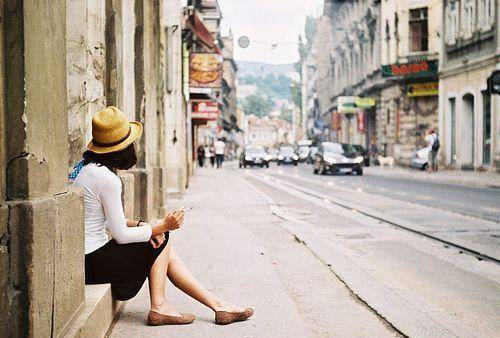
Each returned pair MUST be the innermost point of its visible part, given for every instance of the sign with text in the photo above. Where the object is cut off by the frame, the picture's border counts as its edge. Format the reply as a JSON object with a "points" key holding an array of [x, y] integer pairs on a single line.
{"points": [[205, 70], [422, 89], [414, 69], [205, 110]]}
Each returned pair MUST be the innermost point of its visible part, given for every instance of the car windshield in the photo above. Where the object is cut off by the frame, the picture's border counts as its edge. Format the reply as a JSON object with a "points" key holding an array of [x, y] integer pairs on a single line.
{"points": [[332, 147], [255, 151], [286, 150], [358, 148], [348, 149], [303, 149], [273, 151]]}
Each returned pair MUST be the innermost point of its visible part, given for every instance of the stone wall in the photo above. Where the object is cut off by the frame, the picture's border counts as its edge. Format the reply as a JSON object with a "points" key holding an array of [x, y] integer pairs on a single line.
{"points": [[60, 62], [42, 284]]}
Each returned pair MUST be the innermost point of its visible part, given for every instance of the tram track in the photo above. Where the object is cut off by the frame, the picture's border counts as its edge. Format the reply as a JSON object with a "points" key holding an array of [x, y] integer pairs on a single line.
{"points": [[398, 223]]}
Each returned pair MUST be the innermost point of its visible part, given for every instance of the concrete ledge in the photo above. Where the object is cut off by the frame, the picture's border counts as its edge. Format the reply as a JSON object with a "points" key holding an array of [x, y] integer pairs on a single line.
{"points": [[98, 314]]}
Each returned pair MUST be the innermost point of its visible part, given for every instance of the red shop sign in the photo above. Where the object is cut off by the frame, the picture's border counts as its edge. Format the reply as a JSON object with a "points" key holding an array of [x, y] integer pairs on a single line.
{"points": [[361, 122]]}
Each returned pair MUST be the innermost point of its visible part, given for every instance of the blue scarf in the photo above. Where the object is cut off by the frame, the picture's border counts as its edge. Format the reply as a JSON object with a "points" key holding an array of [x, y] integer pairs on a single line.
{"points": [[76, 170]]}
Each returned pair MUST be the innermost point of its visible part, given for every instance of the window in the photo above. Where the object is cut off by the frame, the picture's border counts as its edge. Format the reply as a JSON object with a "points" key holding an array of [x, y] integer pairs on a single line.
{"points": [[468, 18], [486, 14], [451, 23], [419, 40]]}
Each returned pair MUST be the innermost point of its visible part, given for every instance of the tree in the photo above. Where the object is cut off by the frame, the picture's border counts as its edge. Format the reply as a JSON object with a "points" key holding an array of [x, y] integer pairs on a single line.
{"points": [[257, 105]]}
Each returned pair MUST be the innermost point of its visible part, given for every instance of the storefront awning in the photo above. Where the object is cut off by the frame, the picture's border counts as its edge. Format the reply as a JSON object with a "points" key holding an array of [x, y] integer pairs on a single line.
{"points": [[196, 25]]}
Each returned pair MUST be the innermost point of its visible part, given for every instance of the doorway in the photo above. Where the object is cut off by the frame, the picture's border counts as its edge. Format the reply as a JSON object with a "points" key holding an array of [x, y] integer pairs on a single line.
{"points": [[467, 144]]}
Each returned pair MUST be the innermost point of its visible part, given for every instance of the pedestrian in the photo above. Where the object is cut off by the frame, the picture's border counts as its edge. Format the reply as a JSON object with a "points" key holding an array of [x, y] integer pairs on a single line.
{"points": [[373, 153], [209, 153], [137, 250], [201, 155], [433, 143], [220, 147]]}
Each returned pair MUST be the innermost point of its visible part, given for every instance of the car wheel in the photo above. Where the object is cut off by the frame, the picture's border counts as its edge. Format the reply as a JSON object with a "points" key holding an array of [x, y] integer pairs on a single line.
{"points": [[262, 165], [279, 163], [359, 172], [267, 165], [295, 163], [424, 167], [245, 165]]}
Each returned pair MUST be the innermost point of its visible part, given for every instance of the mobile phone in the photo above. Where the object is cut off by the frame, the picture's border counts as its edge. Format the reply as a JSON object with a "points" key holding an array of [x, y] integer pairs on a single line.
{"points": [[187, 209]]}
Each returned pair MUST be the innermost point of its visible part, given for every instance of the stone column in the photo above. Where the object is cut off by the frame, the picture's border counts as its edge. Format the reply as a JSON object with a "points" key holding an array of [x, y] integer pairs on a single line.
{"points": [[145, 108], [41, 223], [175, 139]]}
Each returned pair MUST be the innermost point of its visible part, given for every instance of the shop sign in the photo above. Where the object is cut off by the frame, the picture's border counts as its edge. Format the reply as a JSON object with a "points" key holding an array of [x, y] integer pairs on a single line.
{"points": [[205, 110], [414, 69], [422, 89], [205, 70], [346, 104], [364, 102], [361, 121]]}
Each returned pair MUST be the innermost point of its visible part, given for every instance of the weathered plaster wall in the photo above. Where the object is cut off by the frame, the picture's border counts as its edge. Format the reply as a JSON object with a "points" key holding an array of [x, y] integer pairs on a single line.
{"points": [[86, 70]]}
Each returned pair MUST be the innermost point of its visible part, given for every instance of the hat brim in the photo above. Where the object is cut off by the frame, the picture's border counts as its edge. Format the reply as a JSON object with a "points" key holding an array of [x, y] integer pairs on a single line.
{"points": [[135, 133]]}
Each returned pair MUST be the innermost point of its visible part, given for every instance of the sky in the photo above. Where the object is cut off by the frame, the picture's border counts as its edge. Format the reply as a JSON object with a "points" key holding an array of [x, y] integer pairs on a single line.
{"points": [[267, 22]]}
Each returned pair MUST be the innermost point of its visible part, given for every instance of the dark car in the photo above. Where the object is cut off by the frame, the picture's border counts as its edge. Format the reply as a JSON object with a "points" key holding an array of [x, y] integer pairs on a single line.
{"points": [[361, 151], [287, 155], [337, 158], [254, 156]]}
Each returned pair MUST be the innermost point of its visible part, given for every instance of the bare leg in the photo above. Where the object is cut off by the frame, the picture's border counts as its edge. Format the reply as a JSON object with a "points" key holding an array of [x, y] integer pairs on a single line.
{"points": [[182, 278], [157, 283]]}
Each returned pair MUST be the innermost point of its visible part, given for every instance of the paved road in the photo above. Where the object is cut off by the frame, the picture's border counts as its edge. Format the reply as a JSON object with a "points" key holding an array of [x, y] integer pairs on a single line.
{"points": [[478, 202], [420, 286]]}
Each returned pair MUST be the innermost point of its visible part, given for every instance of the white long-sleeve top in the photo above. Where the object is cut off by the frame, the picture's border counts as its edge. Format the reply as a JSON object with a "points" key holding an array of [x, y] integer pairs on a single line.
{"points": [[104, 210]]}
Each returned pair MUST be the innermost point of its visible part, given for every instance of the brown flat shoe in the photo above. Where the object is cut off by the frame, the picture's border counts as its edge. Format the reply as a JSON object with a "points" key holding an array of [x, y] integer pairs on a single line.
{"points": [[224, 317], [155, 319]]}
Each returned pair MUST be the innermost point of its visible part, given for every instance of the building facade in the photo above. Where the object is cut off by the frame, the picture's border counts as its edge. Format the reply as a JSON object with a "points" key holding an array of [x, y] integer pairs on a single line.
{"points": [[355, 69], [410, 46], [469, 117]]}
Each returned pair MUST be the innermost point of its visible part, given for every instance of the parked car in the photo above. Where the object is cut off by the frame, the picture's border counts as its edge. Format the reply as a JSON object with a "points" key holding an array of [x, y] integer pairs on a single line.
{"points": [[420, 159], [303, 152], [252, 156], [287, 155], [312, 153], [362, 152], [337, 158], [273, 154]]}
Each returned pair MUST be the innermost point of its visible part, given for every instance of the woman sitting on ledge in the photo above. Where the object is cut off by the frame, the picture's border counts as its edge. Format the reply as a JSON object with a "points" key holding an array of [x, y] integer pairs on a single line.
{"points": [[138, 250]]}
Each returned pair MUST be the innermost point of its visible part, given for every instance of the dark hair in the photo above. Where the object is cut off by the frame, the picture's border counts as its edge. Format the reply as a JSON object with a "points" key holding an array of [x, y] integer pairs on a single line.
{"points": [[119, 160]]}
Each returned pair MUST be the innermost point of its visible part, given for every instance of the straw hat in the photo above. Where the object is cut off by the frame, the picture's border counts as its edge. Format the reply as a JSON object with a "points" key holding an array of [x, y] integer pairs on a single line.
{"points": [[112, 131]]}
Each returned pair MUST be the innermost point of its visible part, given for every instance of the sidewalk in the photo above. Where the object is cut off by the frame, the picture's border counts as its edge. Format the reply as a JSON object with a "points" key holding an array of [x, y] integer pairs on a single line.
{"points": [[240, 251], [456, 177]]}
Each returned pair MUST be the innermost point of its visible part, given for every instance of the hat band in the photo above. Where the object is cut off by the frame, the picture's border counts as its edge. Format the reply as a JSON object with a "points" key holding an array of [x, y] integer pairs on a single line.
{"points": [[99, 144]]}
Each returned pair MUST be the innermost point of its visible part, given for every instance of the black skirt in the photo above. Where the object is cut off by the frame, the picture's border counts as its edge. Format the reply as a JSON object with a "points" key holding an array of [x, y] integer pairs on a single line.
{"points": [[125, 266]]}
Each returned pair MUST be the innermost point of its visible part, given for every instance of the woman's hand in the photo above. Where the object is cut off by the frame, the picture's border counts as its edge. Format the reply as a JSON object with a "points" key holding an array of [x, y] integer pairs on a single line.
{"points": [[157, 241], [174, 220]]}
